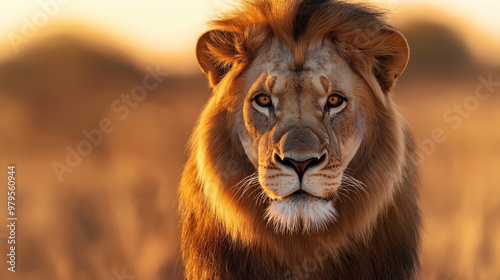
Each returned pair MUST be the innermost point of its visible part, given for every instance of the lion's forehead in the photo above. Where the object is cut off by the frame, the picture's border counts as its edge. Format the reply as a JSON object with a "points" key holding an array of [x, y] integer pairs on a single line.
{"points": [[321, 61]]}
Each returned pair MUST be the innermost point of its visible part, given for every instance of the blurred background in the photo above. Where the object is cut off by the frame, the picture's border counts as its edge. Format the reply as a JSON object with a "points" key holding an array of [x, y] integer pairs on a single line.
{"points": [[98, 98]]}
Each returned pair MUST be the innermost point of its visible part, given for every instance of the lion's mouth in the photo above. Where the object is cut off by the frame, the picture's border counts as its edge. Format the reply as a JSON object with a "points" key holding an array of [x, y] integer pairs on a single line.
{"points": [[299, 196]]}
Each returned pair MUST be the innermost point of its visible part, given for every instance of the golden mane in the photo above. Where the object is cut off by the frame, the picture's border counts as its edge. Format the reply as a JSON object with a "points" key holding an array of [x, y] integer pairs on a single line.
{"points": [[301, 25]]}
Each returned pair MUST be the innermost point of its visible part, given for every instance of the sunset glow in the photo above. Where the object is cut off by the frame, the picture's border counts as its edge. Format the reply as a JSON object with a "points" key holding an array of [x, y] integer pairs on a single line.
{"points": [[173, 26]]}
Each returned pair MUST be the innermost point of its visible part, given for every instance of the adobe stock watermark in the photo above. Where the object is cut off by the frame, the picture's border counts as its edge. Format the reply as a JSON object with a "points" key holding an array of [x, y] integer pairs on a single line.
{"points": [[121, 107], [31, 25], [122, 276], [454, 116]]}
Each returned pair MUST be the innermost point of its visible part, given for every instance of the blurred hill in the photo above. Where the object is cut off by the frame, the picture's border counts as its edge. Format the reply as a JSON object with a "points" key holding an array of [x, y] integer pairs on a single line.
{"points": [[436, 52], [66, 82]]}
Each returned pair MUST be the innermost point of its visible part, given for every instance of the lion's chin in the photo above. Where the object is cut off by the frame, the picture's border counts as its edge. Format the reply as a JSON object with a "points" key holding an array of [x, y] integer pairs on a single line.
{"points": [[306, 214]]}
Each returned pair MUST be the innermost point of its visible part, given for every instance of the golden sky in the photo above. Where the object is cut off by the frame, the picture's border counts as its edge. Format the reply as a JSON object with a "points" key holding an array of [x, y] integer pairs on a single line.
{"points": [[172, 26]]}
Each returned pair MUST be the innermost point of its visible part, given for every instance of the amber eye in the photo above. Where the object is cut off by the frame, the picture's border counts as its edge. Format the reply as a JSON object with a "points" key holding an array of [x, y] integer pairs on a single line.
{"points": [[263, 100], [335, 100]]}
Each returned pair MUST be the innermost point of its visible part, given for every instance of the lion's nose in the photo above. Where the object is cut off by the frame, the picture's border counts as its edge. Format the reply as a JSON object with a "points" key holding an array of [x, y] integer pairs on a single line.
{"points": [[300, 166]]}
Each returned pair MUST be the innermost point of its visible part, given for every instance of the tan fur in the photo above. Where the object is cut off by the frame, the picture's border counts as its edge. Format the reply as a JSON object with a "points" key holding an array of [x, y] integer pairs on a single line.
{"points": [[298, 53]]}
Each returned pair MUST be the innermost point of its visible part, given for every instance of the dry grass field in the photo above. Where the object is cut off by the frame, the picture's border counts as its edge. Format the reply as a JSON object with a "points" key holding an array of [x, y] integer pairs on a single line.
{"points": [[460, 191], [104, 206]]}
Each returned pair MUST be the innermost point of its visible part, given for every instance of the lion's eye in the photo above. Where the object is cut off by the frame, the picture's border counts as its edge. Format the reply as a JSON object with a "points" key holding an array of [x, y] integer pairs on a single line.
{"points": [[334, 101], [263, 100]]}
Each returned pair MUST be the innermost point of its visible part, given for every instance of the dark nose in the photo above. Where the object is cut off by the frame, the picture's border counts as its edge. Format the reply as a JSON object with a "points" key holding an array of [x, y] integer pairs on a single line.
{"points": [[300, 166]]}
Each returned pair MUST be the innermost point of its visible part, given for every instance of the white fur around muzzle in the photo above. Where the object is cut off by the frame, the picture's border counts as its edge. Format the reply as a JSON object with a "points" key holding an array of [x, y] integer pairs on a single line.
{"points": [[293, 215]]}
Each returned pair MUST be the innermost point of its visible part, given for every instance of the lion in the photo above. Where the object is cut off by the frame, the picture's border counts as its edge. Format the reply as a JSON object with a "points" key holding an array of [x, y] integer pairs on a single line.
{"points": [[301, 166]]}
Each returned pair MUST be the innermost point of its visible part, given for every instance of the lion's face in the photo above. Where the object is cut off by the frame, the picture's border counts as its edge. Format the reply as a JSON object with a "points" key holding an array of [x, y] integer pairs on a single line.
{"points": [[300, 129], [310, 107]]}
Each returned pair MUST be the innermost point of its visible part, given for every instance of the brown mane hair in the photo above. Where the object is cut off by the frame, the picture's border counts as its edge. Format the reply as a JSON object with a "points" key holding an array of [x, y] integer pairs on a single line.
{"points": [[300, 25], [377, 234]]}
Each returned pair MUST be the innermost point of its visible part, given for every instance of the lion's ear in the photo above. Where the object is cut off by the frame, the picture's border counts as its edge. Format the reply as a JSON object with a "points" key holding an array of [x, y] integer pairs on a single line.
{"points": [[216, 52], [391, 53]]}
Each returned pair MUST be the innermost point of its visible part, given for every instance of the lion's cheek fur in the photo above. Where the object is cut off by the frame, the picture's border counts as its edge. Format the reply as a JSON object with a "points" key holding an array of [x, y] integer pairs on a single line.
{"points": [[248, 143]]}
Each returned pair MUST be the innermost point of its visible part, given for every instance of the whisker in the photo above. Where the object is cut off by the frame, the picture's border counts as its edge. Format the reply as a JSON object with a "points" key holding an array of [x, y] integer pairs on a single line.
{"points": [[351, 184], [245, 184], [261, 197], [340, 192]]}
